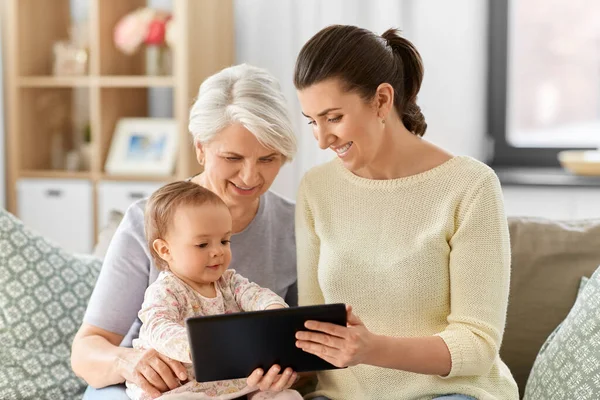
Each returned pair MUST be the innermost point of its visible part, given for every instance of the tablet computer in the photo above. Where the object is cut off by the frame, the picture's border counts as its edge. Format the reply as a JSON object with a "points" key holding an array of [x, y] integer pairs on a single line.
{"points": [[231, 346]]}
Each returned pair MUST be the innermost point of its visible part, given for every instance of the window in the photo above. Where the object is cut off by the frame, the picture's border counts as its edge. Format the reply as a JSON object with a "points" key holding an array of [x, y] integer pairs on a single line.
{"points": [[544, 90]]}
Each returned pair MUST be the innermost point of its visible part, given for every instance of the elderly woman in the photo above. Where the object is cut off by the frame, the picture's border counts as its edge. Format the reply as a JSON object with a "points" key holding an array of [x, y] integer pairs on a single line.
{"points": [[242, 136]]}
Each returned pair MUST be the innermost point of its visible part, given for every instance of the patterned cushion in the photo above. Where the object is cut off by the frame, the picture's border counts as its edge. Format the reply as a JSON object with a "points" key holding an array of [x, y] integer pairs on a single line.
{"points": [[43, 295], [568, 365], [584, 281]]}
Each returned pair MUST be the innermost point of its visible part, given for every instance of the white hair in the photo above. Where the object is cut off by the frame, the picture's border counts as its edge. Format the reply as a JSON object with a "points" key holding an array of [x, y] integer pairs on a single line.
{"points": [[249, 96]]}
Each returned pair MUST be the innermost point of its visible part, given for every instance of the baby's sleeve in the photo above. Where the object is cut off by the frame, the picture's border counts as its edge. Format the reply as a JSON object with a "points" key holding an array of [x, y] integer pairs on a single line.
{"points": [[163, 327], [249, 296]]}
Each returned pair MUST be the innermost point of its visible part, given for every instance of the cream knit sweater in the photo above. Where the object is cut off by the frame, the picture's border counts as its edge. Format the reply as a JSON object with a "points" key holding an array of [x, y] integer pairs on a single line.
{"points": [[418, 256]]}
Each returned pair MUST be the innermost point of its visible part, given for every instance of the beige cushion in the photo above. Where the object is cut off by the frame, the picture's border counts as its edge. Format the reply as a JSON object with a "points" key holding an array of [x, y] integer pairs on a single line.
{"points": [[548, 260]]}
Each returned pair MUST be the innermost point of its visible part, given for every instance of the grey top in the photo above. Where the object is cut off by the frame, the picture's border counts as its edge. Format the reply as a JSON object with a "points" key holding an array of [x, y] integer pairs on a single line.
{"points": [[264, 252]]}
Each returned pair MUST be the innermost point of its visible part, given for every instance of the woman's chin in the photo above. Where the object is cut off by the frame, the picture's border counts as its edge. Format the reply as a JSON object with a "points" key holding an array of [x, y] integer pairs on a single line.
{"points": [[351, 165]]}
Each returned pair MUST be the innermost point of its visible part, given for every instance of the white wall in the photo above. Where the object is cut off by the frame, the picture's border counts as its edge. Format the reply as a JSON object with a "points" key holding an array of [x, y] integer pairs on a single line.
{"points": [[451, 36], [452, 39]]}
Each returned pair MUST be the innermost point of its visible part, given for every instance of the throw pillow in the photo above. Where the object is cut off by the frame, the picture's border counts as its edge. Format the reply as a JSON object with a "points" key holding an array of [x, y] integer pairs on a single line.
{"points": [[584, 281], [568, 365], [43, 295]]}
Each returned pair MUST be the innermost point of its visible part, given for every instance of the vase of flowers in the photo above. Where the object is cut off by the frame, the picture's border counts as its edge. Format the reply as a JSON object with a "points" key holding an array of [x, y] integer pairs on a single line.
{"points": [[151, 28]]}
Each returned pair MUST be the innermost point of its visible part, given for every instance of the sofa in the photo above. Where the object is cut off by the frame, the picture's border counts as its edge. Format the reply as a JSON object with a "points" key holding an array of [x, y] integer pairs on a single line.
{"points": [[44, 290]]}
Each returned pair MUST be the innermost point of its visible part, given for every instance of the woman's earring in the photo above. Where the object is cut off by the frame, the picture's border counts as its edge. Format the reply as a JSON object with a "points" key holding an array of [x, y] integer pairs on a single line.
{"points": [[383, 121]]}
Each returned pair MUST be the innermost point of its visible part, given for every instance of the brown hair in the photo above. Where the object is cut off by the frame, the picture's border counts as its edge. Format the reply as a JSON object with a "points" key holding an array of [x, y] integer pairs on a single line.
{"points": [[362, 61], [161, 208]]}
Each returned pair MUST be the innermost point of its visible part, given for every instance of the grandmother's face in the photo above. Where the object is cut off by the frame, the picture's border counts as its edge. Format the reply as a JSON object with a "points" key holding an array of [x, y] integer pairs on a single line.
{"points": [[237, 166]]}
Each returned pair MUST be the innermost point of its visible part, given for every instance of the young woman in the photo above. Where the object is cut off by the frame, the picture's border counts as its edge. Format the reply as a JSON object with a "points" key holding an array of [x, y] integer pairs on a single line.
{"points": [[413, 238]]}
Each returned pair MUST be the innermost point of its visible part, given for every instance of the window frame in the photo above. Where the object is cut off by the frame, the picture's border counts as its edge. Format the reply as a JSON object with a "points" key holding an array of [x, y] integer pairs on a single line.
{"points": [[504, 153]]}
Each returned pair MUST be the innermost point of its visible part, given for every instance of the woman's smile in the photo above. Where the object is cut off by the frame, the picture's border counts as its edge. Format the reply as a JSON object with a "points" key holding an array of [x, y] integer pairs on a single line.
{"points": [[342, 150]]}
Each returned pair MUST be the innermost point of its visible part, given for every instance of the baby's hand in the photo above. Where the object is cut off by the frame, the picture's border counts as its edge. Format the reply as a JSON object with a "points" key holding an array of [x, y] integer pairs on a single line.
{"points": [[275, 306], [273, 380]]}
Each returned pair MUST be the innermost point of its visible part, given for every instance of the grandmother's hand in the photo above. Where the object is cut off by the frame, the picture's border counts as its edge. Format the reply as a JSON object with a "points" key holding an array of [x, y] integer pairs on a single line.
{"points": [[272, 381], [153, 372], [338, 345]]}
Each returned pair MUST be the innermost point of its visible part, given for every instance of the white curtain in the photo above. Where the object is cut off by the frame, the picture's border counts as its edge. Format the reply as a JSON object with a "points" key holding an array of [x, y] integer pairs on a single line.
{"points": [[450, 34]]}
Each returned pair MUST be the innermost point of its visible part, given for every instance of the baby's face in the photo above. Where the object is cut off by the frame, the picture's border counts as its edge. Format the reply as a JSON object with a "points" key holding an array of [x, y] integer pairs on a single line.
{"points": [[199, 242]]}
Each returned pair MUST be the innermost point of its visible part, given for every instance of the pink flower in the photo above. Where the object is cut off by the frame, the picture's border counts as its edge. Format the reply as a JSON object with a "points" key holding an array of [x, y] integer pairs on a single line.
{"points": [[156, 32], [131, 31]]}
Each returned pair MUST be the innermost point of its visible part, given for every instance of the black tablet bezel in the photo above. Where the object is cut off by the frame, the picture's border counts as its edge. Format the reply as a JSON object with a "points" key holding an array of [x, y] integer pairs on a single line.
{"points": [[231, 346]]}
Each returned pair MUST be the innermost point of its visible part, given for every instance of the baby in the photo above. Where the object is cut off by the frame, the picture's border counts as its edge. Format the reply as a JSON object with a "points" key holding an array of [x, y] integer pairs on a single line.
{"points": [[188, 229]]}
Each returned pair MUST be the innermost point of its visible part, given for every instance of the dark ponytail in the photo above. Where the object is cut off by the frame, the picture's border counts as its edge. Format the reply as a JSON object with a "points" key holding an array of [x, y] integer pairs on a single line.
{"points": [[411, 65], [363, 61]]}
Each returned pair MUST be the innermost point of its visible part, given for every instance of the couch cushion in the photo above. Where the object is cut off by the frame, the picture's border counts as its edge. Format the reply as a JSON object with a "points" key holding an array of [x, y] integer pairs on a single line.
{"points": [[582, 284], [568, 365], [43, 295], [548, 260]]}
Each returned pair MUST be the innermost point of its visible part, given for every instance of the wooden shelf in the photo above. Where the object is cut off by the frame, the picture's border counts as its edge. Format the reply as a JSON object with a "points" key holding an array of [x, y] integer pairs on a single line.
{"points": [[136, 178], [47, 113], [136, 81], [129, 81], [57, 174], [54, 81]]}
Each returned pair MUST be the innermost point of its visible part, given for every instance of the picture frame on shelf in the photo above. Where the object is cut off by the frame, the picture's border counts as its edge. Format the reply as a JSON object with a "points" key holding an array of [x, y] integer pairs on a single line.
{"points": [[143, 146]]}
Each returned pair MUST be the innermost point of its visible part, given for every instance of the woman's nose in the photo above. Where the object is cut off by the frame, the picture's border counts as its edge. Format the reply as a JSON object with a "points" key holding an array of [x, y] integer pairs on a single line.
{"points": [[323, 138], [249, 174]]}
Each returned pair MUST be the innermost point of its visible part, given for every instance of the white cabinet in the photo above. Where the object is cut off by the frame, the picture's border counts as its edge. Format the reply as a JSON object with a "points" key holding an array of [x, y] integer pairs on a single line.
{"points": [[119, 196], [559, 203], [60, 210]]}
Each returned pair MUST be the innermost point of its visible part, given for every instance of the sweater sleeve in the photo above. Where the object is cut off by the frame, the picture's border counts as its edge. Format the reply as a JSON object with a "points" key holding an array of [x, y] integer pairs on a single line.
{"points": [[307, 251], [119, 291], [479, 268]]}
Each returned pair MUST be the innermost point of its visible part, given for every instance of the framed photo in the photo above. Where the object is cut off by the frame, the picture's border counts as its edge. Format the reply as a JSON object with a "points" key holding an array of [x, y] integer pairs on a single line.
{"points": [[143, 146]]}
